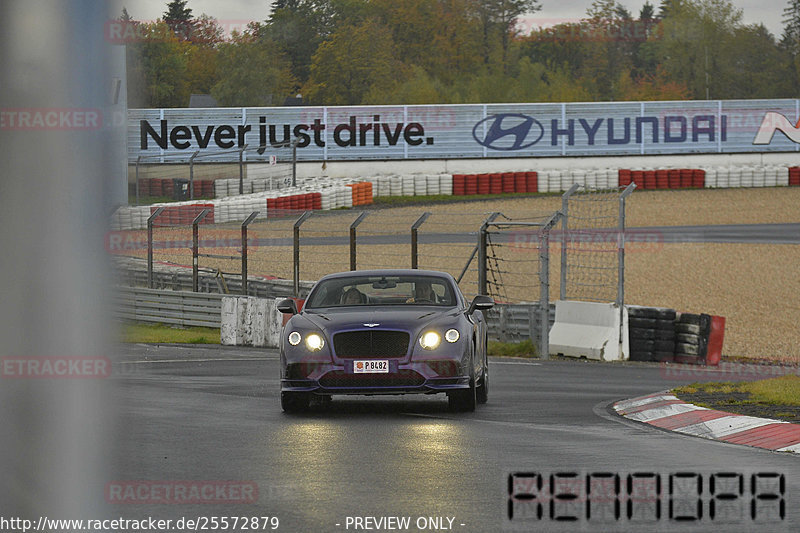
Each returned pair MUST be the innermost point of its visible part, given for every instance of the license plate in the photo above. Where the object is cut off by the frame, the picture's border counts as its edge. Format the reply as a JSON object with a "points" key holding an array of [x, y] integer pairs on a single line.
{"points": [[371, 366]]}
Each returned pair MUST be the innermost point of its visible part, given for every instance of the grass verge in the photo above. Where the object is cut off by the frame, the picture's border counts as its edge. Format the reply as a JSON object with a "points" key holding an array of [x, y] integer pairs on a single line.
{"points": [[168, 334], [513, 349]]}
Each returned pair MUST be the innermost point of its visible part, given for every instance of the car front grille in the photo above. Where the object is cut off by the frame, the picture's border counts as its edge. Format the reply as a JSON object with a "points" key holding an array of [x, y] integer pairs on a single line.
{"points": [[371, 344], [401, 378]]}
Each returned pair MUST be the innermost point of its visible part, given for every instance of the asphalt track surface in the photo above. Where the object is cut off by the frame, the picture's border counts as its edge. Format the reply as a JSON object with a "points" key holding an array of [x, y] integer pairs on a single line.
{"points": [[213, 413], [788, 233]]}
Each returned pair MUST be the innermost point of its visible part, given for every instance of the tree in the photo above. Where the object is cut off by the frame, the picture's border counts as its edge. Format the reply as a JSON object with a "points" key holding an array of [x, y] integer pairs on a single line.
{"points": [[252, 71], [179, 18], [791, 27], [157, 67], [498, 19], [356, 60]]}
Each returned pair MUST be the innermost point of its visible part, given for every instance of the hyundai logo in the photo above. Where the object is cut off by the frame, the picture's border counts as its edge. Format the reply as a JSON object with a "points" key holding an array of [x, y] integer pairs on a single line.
{"points": [[508, 131]]}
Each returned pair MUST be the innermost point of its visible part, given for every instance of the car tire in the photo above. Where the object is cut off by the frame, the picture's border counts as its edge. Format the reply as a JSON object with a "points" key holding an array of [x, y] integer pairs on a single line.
{"points": [[295, 402], [464, 400], [482, 392]]}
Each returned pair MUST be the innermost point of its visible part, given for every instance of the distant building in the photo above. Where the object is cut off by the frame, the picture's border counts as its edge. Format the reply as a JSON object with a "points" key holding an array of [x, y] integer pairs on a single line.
{"points": [[202, 100]]}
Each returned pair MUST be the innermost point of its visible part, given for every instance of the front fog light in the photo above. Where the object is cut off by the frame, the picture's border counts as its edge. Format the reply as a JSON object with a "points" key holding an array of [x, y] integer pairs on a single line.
{"points": [[314, 342], [430, 340], [451, 335], [294, 338]]}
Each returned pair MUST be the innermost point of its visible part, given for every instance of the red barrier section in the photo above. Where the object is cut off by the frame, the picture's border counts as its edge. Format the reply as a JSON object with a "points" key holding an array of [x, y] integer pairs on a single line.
{"points": [[484, 184], [520, 185], [167, 187], [471, 184], [144, 187], [649, 179], [674, 178], [637, 177], [699, 178], [508, 182], [316, 200], [624, 177], [495, 183], [459, 184], [715, 339], [686, 177], [794, 176], [662, 179], [155, 187], [531, 182]]}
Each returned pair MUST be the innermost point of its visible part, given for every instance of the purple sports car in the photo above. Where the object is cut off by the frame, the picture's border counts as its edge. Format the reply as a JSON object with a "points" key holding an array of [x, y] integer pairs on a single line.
{"points": [[385, 332]]}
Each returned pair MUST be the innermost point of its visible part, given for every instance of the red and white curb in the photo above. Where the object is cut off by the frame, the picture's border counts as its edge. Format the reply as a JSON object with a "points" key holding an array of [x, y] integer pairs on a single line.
{"points": [[666, 411]]}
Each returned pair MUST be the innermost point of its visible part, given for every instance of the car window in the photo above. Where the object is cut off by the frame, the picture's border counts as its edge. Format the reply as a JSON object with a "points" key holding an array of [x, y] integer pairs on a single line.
{"points": [[382, 290]]}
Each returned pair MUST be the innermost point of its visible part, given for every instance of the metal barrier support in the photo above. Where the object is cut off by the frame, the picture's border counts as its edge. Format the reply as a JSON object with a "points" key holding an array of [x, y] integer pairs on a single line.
{"points": [[150, 220], [414, 239], [296, 251], [246, 223], [353, 227]]}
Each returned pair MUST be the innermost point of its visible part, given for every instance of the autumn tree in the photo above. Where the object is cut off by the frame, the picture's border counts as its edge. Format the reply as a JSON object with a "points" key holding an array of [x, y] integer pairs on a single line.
{"points": [[356, 60], [179, 18], [252, 71]]}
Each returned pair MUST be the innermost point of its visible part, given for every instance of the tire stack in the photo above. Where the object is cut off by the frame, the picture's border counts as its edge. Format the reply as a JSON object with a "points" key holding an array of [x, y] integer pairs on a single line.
{"points": [[651, 333], [691, 338]]}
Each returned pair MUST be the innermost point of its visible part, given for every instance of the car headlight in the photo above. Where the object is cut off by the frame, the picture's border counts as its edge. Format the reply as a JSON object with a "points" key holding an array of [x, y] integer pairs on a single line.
{"points": [[451, 335], [430, 340], [295, 338], [314, 342]]}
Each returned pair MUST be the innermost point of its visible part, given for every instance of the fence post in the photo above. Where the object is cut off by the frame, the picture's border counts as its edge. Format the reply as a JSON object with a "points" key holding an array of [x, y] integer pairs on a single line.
{"points": [[621, 254], [482, 245], [296, 251], [353, 227], [150, 220], [544, 285], [195, 239], [414, 239], [241, 170], [138, 159], [564, 222], [246, 223]]}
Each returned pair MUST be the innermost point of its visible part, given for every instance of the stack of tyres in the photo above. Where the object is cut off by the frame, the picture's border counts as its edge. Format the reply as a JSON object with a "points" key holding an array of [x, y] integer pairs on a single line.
{"points": [[691, 338], [651, 333]]}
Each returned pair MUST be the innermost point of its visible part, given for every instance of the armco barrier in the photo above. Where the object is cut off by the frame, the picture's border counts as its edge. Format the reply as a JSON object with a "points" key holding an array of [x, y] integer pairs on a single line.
{"points": [[169, 307], [589, 329]]}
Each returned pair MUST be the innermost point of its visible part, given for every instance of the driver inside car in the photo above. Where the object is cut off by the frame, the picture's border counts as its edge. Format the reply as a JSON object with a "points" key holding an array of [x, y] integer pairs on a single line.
{"points": [[423, 292], [352, 296]]}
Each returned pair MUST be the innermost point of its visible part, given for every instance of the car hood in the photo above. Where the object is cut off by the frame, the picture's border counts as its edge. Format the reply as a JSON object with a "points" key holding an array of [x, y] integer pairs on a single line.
{"points": [[410, 318]]}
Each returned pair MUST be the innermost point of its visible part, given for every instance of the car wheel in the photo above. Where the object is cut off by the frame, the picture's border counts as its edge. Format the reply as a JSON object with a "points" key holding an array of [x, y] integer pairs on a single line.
{"points": [[482, 392], [295, 402]]}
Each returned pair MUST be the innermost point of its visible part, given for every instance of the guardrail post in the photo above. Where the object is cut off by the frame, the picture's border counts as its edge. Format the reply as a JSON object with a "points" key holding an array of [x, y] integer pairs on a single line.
{"points": [[296, 251], [246, 223], [564, 220], [195, 239], [191, 174], [150, 220], [414, 239], [353, 227]]}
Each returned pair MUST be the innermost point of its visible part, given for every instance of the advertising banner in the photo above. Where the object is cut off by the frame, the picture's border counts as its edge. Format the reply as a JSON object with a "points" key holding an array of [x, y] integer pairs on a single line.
{"points": [[466, 131]]}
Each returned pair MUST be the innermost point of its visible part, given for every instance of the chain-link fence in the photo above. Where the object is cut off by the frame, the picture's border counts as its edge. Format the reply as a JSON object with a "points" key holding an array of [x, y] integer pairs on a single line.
{"points": [[593, 244]]}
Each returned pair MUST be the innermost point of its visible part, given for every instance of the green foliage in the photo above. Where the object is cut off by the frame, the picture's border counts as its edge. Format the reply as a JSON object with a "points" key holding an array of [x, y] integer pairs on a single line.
{"points": [[350, 52], [252, 71]]}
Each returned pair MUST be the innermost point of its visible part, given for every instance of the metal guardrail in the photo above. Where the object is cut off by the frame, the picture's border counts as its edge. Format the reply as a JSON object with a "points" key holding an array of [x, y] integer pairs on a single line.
{"points": [[169, 307], [507, 322], [517, 322]]}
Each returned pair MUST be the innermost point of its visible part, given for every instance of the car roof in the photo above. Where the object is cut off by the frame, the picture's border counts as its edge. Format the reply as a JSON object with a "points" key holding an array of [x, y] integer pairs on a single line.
{"points": [[390, 272]]}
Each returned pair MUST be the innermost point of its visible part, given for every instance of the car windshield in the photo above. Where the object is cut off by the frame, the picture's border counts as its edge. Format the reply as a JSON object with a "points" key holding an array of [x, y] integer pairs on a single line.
{"points": [[382, 290]]}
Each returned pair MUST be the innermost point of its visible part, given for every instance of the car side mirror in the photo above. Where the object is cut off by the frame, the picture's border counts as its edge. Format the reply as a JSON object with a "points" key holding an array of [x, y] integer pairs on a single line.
{"points": [[481, 302], [287, 306]]}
